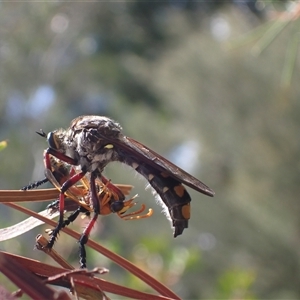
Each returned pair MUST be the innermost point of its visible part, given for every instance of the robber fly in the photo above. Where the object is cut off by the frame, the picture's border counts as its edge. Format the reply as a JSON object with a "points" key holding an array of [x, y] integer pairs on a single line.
{"points": [[91, 142]]}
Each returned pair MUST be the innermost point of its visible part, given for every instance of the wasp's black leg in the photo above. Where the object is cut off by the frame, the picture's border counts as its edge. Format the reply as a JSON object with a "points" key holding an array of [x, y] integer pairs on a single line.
{"points": [[34, 184]]}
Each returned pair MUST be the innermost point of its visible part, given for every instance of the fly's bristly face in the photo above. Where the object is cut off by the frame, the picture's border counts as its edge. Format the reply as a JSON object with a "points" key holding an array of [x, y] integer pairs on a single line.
{"points": [[94, 141], [56, 140], [59, 141]]}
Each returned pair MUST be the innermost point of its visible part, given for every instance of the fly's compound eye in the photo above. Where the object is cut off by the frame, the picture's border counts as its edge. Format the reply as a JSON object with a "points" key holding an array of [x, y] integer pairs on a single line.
{"points": [[52, 140], [117, 206]]}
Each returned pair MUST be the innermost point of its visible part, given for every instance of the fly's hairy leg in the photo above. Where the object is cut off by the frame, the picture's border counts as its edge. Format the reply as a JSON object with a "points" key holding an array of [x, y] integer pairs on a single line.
{"points": [[65, 186], [85, 235]]}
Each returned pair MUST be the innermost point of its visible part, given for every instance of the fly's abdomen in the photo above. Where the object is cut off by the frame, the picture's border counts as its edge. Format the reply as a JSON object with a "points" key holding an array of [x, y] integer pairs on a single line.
{"points": [[171, 191], [174, 195]]}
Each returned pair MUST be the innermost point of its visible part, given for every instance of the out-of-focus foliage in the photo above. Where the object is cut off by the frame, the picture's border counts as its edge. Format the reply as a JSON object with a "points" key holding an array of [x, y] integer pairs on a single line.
{"points": [[163, 71], [286, 21], [235, 284], [3, 144]]}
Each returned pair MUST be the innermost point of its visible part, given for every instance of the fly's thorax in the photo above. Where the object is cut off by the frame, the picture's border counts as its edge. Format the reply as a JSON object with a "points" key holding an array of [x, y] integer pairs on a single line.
{"points": [[89, 165], [94, 151], [100, 126]]}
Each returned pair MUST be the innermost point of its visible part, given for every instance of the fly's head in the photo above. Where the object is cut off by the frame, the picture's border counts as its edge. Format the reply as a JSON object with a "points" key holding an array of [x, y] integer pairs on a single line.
{"points": [[59, 140]]}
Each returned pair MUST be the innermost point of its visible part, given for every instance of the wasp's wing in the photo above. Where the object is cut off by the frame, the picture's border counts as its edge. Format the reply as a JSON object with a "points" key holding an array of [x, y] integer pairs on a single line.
{"points": [[135, 148]]}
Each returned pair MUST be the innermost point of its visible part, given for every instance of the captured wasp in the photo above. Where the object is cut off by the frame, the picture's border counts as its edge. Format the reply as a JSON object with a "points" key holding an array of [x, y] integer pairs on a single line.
{"points": [[111, 199], [91, 142]]}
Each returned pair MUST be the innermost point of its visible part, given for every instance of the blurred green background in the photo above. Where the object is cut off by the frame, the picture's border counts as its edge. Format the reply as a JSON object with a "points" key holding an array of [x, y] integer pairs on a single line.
{"points": [[167, 72]]}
